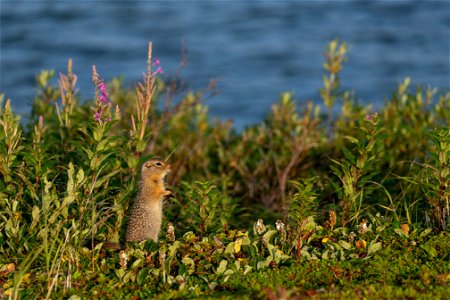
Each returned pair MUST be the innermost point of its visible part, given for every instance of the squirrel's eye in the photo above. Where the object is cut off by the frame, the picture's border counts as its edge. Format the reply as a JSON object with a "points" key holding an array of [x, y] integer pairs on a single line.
{"points": [[158, 164]]}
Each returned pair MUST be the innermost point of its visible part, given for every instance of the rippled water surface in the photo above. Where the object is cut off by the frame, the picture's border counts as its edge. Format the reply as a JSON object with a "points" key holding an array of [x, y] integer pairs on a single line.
{"points": [[257, 49]]}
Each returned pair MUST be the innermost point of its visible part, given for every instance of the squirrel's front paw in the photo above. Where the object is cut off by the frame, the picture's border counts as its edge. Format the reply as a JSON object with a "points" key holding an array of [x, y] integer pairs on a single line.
{"points": [[168, 194]]}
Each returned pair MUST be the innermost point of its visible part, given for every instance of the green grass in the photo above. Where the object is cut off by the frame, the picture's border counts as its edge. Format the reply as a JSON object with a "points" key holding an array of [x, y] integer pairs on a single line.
{"points": [[305, 204]]}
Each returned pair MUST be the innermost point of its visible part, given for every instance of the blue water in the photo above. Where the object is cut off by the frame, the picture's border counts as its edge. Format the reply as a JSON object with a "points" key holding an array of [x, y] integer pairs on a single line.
{"points": [[257, 49]]}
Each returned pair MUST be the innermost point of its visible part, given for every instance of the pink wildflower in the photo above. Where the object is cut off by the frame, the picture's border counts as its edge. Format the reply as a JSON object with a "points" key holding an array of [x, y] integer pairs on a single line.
{"points": [[371, 117], [102, 87], [103, 98], [104, 93], [102, 111], [97, 117], [158, 71]]}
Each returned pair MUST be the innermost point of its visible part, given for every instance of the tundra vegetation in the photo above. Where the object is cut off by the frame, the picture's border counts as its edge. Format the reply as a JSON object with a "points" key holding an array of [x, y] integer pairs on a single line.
{"points": [[329, 199]]}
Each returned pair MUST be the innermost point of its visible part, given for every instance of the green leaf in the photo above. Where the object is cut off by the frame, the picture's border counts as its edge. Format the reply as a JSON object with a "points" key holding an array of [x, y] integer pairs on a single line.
{"points": [[98, 161], [68, 200], [89, 152], [268, 235], [35, 213], [345, 245], [247, 269], [304, 252], [102, 144], [374, 247], [430, 250], [128, 277], [236, 266], [101, 181], [325, 254], [173, 249], [265, 263], [70, 184], [308, 224], [167, 264], [399, 231], [222, 267], [380, 228], [98, 246], [170, 279], [352, 139], [425, 232], [230, 248], [189, 263], [137, 263], [348, 155], [245, 241], [336, 170], [336, 246], [342, 255], [142, 275], [98, 133], [188, 236], [80, 176], [120, 273]]}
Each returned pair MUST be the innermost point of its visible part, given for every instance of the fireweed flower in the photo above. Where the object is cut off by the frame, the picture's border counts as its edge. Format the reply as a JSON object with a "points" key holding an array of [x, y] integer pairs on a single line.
{"points": [[102, 87], [103, 97], [97, 117], [372, 117], [159, 69], [102, 106]]}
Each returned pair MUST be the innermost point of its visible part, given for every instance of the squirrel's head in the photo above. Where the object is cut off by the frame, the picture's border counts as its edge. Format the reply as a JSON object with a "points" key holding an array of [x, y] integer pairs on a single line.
{"points": [[155, 167]]}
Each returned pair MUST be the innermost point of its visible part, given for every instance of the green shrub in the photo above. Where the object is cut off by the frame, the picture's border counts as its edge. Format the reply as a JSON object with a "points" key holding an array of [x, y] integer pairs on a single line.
{"points": [[68, 175]]}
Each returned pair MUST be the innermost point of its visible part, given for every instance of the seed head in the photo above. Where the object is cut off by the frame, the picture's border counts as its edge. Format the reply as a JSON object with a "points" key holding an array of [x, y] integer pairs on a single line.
{"points": [[171, 232], [362, 227], [280, 226], [123, 259], [260, 228]]}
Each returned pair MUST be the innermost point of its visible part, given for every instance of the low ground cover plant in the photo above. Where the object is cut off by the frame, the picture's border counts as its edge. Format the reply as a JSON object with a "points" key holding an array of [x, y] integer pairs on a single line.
{"points": [[332, 200]]}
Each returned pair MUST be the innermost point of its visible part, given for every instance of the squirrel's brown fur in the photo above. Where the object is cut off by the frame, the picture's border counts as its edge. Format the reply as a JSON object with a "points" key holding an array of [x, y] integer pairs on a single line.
{"points": [[146, 213]]}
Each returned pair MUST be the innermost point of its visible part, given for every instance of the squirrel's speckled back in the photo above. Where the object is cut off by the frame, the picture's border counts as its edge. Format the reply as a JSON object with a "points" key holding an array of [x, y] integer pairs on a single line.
{"points": [[146, 212]]}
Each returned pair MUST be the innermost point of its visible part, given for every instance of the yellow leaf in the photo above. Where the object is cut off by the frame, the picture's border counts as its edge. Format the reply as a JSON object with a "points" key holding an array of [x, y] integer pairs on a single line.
{"points": [[6, 269], [405, 228], [325, 239], [361, 244], [237, 245], [26, 277]]}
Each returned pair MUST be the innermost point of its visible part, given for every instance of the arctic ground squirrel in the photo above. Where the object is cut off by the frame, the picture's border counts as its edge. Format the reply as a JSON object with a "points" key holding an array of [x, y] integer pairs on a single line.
{"points": [[146, 212]]}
